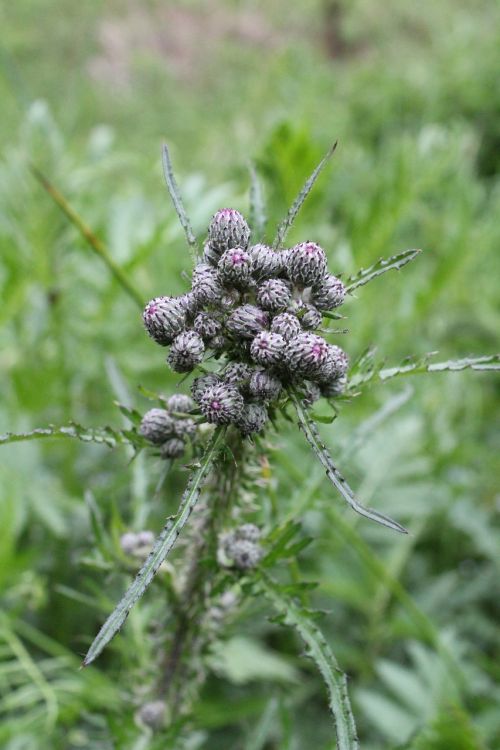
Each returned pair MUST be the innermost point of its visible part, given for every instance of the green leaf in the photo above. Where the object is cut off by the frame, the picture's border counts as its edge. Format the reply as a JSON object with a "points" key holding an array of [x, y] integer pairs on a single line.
{"points": [[178, 204], [299, 200], [299, 618], [413, 367], [258, 216], [104, 435], [310, 430], [95, 243], [161, 548], [396, 262]]}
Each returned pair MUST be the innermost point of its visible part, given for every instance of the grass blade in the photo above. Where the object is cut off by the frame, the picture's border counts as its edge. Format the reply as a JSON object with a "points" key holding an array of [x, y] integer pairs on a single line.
{"points": [[95, 243], [258, 216], [175, 194], [104, 435], [313, 438], [395, 262], [299, 200], [161, 548], [298, 617]]}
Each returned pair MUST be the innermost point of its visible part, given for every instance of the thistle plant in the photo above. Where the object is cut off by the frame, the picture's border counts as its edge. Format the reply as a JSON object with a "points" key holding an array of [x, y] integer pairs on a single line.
{"points": [[250, 339]]}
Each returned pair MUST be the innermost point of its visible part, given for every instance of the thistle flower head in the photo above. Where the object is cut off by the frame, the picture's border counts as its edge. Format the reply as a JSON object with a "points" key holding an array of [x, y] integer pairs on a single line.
{"points": [[228, 229], [237, 373], [287, 325], [305, 355], [310, 317], [201, 383], [267, 348], [328, 293], [243, 553], [235, 268], [173, 448], [334, 365], [156, 426], [274, 295], [186, 352], [252, 418], [207, 325], [207, 288], [221, 404], [180, 403], [247, 321], [334, 388], [306, 263], [129, 542], [266, 262], [184, 428], [153, 714], [264, 385], [164, 318]]}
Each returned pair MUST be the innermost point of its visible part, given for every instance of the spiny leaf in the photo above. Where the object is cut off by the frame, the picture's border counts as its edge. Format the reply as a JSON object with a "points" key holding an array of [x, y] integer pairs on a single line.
{"points": [[299, 618], [258, 216], [175, 194], [396, 262], [412, 367], [132, 414], [105, 435], [299, 200], [95, 243], [313, 438], [161, 548]]}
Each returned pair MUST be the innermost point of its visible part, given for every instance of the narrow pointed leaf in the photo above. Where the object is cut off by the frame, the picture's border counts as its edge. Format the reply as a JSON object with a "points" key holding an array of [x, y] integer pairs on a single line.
{"points": [[104, 435], [175, 194], [414, 367], [95, 243], [313, 438], [294, 615], [299, 200], [161, 548], [395, 262], [258, 216]]}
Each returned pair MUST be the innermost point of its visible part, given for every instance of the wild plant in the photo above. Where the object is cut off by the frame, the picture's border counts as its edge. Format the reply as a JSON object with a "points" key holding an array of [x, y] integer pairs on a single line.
{"points": [[252, 334]]}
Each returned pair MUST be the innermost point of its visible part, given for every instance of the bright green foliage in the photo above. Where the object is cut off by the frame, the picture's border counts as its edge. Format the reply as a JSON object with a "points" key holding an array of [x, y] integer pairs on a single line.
{"points": [[410, 91]]}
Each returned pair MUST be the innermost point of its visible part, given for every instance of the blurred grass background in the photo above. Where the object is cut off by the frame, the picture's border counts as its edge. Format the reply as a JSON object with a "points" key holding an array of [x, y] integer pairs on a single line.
{"points": [[89, 92]]}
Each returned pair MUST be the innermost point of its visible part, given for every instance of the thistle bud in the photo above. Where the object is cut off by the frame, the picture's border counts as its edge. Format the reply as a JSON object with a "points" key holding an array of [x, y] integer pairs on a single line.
{"points": [[145, 538], [189, 303], [328, 293], [186, 352], [234, 268], [184, 428], [173, 448], [207, 289], [207, 325], [201, 383], [180, 403], [228, 229], [287, 325], [335, 387], [252, 419], [306, 354], [246, 321], [266, 262], [164, 318], [129, 542], [243, 553], [248, 531], [306, 263], [237, 373], [335, 364], [156, 426], [274, 295], [221, 404], [310, 318], [153, 714], [267, 348], [264, 386]]}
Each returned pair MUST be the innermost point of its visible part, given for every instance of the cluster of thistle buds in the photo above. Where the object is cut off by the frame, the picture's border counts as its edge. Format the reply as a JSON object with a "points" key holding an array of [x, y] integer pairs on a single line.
{"points": [[240, 548], [254, 310], [170, 429]]}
